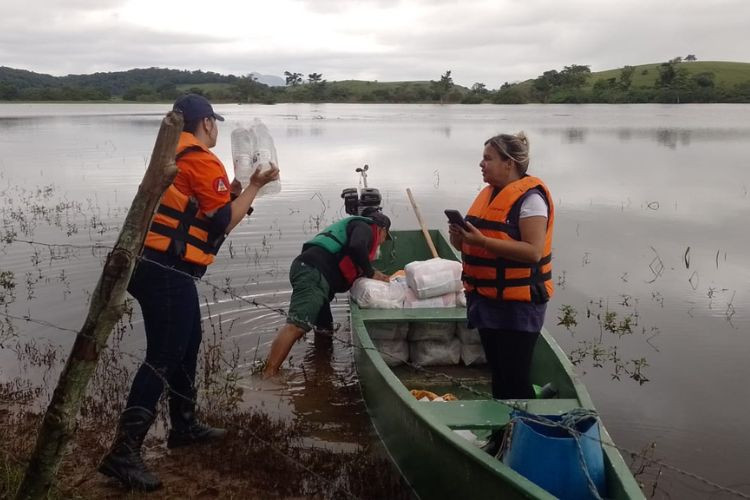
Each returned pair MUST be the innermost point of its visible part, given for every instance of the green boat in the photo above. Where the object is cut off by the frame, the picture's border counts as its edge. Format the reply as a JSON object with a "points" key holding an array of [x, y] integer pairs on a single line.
{"points": [[419, 436]]}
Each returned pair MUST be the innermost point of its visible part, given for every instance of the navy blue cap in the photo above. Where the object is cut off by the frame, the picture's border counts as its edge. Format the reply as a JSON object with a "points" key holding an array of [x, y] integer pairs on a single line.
{"points": [[194, 107], [380, 219]]}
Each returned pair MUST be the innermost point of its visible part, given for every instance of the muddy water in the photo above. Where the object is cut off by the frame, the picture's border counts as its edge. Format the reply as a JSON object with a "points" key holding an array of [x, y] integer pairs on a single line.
{"points": [[652, 204]]}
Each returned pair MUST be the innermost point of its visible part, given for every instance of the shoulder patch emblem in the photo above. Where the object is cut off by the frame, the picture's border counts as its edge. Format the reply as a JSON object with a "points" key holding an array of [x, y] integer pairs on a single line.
{"points": [[220, 186]]}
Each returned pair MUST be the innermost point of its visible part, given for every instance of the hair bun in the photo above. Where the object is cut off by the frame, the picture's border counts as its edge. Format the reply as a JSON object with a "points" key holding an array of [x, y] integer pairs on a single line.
{"points": [[522, 137]]}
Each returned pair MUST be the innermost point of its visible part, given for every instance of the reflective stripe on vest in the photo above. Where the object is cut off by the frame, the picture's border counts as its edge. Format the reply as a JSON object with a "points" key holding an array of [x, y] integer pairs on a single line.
{"points": [[334, 238], [499, 278], [180, 229]]}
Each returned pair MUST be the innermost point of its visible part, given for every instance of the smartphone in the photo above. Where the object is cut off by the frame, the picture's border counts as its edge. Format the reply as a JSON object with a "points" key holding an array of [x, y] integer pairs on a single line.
{"points": [[455, 217]]}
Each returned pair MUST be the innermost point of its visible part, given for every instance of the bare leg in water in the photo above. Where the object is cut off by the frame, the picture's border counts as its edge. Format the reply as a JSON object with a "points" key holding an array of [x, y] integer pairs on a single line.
{"points": [[282, 344]]}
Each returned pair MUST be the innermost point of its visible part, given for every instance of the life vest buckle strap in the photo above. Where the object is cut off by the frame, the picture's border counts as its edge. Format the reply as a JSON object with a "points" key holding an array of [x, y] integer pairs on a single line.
{"points": [[500, 284], [186, 217], [180, 238], [512, 231]]}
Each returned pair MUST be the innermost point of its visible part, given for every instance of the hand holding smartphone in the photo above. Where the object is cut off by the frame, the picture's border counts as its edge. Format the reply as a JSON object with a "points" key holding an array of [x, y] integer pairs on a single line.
{"points": [[455, 217]]}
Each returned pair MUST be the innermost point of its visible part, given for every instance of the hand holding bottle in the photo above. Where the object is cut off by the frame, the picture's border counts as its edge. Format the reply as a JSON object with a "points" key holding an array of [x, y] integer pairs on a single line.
{"points": [[261, 177]]}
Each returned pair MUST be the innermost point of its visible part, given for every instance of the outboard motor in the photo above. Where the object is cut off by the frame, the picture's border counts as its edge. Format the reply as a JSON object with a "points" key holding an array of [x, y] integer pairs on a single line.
{"points": [[356, 201]]}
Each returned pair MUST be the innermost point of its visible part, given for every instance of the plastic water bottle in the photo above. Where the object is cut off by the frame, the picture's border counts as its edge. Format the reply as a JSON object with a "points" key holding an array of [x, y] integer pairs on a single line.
{"points": [[243, 145], [264, 154]]}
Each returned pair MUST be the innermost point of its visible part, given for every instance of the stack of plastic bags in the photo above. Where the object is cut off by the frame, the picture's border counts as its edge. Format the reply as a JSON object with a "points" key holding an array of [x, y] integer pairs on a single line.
{"points": [[472, 352], [424, 284]]}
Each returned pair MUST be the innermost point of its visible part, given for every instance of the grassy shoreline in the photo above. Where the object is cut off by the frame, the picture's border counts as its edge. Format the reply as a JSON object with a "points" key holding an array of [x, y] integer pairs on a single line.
{"points": [[674, 81]]}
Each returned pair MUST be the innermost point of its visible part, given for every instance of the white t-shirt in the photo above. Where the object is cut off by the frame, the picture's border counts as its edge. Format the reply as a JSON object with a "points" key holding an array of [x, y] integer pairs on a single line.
{"points": [[533, 205]]}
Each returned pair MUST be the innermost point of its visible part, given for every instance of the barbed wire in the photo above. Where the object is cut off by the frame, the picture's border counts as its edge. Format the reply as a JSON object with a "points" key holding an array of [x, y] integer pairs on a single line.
{"points": [[170, 390], [453, 380]]}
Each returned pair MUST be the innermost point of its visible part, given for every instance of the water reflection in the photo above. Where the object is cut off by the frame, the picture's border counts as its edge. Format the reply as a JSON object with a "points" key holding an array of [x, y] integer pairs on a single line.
{"points": [[294, 131], [672, 138], [325, 396], [575, 136], [444, 131], [630, 195]]}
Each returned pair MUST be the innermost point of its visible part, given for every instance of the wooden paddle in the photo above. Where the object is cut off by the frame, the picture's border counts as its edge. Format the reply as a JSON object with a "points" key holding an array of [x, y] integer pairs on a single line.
{"points": [[421, 224]]}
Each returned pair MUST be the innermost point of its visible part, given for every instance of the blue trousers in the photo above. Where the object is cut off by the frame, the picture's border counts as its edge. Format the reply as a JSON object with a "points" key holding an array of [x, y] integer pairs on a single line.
{"points": [[171, 315]]}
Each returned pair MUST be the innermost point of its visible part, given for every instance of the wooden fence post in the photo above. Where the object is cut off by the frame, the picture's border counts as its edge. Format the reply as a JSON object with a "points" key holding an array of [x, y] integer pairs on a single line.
{"points": [[105, 310]]}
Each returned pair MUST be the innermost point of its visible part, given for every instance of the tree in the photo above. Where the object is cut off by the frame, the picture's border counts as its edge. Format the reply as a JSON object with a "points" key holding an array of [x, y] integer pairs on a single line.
{"points": [[676, 60], [479, 89], [246, 87], [574, 76], [691, 57], [545, 83], [167, 91], [667, 74], [293, 79], [672, 81], [705, 79], [8, 92], [443, 87], [626, 77], [314, 78], [139, 93]]}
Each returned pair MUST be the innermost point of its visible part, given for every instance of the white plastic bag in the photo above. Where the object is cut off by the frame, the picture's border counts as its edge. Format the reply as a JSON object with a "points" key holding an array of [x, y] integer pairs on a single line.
{"points": [[388, 331], [442, 331], [376, 294], [411, 300], [468, 336], [435, 352], [473, 354], [393, 352], [434, 277]]}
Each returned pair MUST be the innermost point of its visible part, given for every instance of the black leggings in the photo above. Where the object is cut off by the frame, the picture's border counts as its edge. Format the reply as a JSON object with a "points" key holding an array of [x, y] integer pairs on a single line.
{"points": [[509, 355]]}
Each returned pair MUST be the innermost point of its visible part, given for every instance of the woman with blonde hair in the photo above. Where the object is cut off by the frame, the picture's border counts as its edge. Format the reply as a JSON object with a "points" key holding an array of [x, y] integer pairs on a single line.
{"points": [[506, 253]]}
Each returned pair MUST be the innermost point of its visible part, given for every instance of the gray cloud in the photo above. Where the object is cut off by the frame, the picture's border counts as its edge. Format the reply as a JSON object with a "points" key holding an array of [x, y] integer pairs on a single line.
{"points": [[334, 6], [479, 41]]}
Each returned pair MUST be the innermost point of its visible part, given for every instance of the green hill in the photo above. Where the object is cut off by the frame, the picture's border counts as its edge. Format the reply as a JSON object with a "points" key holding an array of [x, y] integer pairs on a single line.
{"points": [[645, 75], [673, 81]]}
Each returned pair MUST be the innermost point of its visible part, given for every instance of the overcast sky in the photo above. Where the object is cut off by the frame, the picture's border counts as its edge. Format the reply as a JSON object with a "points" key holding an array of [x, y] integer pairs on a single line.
{"points": [[489, 41]]}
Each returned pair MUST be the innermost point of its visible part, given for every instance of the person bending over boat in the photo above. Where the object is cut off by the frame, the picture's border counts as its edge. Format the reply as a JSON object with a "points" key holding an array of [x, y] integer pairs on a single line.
{"points": [[194, 215], [506, 254], [329, 264]]}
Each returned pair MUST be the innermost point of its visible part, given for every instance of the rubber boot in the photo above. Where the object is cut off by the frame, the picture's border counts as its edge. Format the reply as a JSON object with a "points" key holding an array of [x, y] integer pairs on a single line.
{"points": [[124, 461], [186, 428]]}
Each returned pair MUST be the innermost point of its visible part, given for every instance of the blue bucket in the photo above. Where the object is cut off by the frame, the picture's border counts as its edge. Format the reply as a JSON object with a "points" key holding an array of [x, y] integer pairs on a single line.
{"points": [[549, 455]]}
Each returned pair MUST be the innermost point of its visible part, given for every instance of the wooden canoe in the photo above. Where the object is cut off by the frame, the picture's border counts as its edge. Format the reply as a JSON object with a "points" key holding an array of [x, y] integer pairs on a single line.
{"points": [[419, 436]]}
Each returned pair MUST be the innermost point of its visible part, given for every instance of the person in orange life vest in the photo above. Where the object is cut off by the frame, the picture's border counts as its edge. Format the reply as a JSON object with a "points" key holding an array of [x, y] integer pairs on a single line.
{"points": [[329, 264], [194, 215], [506, 254]]}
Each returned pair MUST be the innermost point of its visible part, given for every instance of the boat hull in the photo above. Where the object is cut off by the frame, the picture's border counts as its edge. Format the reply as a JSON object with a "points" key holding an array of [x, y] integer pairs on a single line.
{"points": [[419, 436]]}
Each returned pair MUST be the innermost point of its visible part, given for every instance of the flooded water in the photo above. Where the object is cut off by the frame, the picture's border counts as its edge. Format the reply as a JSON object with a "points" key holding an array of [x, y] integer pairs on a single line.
{"points": [[652, 205]]}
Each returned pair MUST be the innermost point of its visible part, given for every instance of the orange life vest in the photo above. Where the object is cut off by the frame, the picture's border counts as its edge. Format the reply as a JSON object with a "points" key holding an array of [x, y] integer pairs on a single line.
{"points": [[180, 229], [496, 277]]}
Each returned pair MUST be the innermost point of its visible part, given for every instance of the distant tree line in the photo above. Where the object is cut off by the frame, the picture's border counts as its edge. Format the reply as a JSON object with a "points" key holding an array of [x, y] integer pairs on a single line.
{"points": [[669, 82], [150, 84], [672, 83]]}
